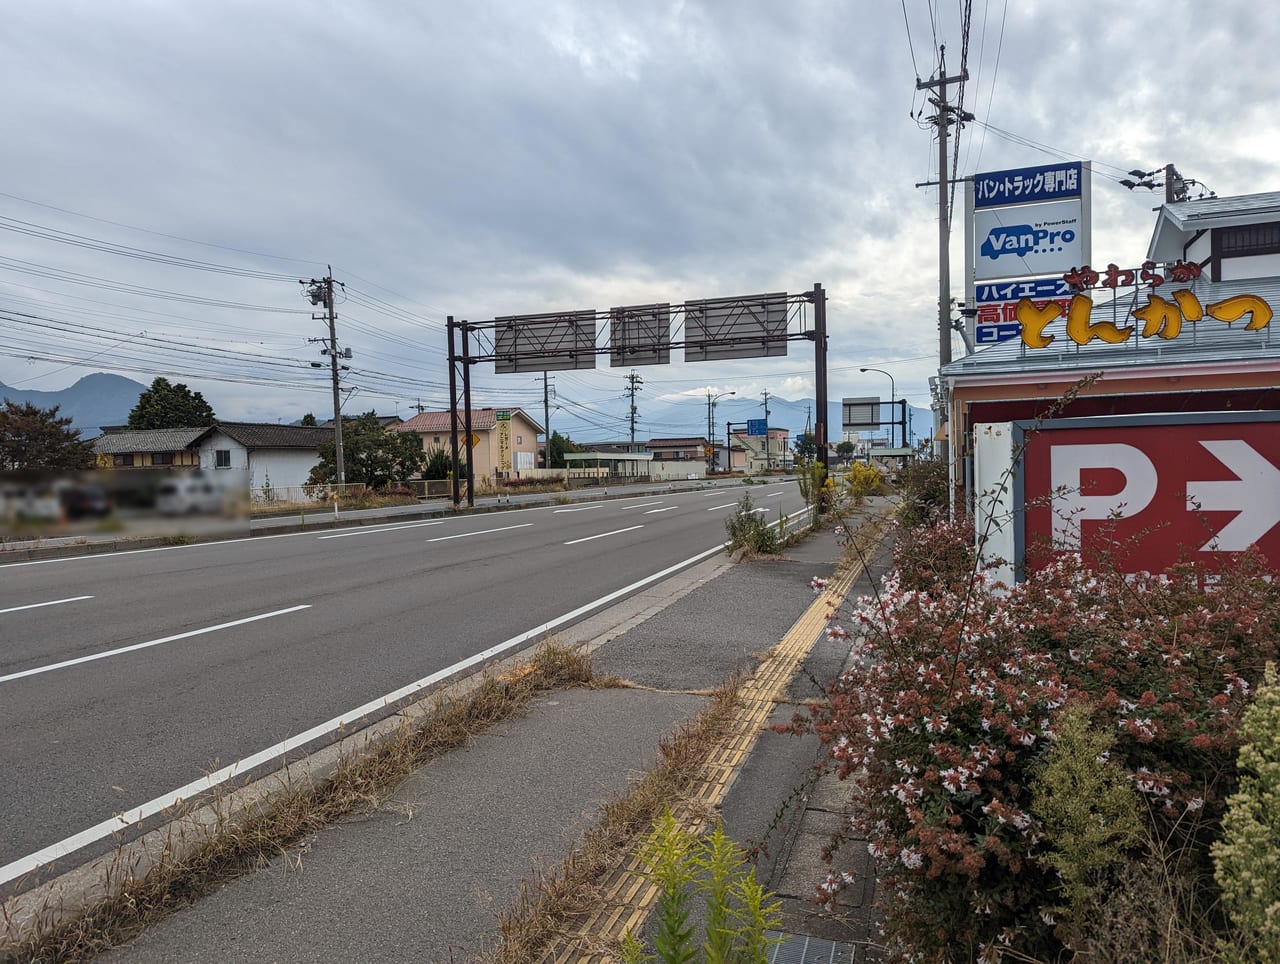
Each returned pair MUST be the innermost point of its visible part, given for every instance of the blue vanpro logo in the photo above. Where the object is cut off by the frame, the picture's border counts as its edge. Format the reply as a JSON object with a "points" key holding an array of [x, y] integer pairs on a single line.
{"points": [[1021, 240]]}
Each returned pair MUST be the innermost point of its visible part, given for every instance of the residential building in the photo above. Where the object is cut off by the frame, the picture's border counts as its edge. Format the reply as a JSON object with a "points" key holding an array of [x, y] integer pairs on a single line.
{"points": [[249, 453], [504, 442], [678, 449]]}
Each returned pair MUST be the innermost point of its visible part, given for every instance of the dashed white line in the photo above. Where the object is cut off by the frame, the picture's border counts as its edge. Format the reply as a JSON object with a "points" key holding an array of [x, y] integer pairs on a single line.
{"points": [[642, 505], [581, 508], [574, 542], [727, 505], [51, 602], [147, 645], [667, 509], [773, 495], [481, 532], [121, 821], [375, 530]]}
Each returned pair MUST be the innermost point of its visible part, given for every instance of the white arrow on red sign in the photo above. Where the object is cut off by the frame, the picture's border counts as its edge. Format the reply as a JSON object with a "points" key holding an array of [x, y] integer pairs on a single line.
{"points": [[1256, 496]]}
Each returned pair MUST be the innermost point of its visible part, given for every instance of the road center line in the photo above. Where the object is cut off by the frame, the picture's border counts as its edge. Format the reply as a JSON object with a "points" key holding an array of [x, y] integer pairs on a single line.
{"points": [[374, 530], [727, 505], [147, 645], [574, 542], [482, 532], [667, 509], [51, 602], [122, 821]]}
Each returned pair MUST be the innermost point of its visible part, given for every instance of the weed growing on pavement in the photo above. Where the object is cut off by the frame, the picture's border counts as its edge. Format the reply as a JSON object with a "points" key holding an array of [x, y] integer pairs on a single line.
{"points": [[249, 838], [749, 530], [738, 911]]}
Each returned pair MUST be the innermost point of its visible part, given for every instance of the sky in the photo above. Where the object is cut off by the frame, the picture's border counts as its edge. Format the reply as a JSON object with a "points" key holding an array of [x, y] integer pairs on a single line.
{"points": [[173, 168]]}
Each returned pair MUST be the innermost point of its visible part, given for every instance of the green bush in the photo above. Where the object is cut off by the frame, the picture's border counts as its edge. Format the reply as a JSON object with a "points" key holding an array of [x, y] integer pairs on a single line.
{"points": [[749, 530], [925, 488]]}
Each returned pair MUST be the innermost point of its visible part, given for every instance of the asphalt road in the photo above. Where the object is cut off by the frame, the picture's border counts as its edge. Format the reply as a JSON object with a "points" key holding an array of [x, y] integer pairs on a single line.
{"points": [[127, 679]]}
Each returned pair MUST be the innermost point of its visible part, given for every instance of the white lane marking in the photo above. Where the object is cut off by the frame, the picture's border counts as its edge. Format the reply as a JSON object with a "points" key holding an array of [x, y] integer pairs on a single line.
{"points": [[615, 532], [147, 645], [642, 505], [481, 532], [773, 495], [122, 821], [581, 508], [754, 511], [667, 509], [727, 505], [375, 530], [51, 602]]}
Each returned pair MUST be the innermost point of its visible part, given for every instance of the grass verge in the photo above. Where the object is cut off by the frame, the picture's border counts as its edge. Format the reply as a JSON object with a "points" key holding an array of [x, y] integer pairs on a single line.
{"points": [[263, 830]]}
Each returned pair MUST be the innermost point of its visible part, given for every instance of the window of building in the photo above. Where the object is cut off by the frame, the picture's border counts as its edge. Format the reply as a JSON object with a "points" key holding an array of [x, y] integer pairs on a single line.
{"points": [[436, 440], [1249, 239], [162, 458], [222, 458], [122, 461], [519, 440]]}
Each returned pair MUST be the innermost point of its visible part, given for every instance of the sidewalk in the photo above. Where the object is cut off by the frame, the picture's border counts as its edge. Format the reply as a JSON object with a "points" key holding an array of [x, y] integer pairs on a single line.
{"points": [[422, 878]]}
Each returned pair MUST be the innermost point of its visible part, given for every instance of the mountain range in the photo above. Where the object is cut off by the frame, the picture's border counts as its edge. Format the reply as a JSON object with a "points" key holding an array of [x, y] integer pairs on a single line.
{"points": [[102, 399], [93, 401]]}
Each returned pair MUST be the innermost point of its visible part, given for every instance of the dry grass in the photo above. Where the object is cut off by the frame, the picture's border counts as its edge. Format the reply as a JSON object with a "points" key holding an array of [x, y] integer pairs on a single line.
{"points": [[267, 829], [548, 903]]}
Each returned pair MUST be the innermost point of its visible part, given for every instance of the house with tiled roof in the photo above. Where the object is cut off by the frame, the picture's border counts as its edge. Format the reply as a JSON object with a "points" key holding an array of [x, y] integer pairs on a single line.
{"points": [[504, 441], [263, 453], [245, 453], [153, 448]]}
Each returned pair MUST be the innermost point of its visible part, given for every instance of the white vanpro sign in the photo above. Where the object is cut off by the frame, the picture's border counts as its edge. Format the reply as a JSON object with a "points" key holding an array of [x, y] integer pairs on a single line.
{"points": [[1028, 239]]}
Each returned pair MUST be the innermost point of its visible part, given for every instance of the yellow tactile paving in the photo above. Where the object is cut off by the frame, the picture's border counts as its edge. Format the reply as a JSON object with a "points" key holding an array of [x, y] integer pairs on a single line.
{"points": [[626, 898]]}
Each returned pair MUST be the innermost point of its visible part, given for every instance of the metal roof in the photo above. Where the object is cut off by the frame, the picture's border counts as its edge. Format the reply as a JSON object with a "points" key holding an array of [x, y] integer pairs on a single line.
{"points": [[1206, 342], [482, 420], [1177, 223]]}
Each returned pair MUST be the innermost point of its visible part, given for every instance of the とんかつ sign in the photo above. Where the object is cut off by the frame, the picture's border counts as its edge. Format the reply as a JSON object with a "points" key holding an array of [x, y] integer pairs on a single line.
{"points": [[1148, 491]]}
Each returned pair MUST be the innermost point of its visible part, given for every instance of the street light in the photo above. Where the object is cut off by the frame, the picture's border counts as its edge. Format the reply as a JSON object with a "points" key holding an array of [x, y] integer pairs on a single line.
{"points": [[892, 397], [711, 418]]}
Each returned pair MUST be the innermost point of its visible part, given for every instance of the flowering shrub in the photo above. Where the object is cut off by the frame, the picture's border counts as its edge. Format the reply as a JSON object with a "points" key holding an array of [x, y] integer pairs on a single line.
{"points": [[958, 692], [861, 481]]}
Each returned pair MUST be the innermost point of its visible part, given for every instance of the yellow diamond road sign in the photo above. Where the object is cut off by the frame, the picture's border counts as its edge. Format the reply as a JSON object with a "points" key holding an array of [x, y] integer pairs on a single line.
{"points": [[473, 441]]}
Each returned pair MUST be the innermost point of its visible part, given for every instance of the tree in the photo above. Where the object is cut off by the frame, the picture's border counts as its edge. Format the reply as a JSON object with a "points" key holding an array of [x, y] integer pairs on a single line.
{"points": [[36, 438], [165, 405], [805, 447], [844, 449], [308, 420], [557, 447], [371, 454], [439, 464]]}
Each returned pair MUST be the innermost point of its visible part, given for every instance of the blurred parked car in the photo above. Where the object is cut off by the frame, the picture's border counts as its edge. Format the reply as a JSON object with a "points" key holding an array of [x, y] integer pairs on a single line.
{"points": [[180, 496], [85, 500]]}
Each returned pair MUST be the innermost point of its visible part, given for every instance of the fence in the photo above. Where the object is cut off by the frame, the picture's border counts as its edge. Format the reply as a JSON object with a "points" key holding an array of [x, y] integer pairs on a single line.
{"points": [[284, 496]]}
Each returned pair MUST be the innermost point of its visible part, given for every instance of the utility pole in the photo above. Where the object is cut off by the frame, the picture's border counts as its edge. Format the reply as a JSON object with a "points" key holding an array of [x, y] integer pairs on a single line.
{"points": [[943, 119], [546, 419], [320, 292], [768, 457], [634, 381]]}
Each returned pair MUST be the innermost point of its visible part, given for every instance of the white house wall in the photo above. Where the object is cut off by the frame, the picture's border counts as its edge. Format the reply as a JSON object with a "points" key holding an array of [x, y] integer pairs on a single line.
{"points": [[281, 467]]}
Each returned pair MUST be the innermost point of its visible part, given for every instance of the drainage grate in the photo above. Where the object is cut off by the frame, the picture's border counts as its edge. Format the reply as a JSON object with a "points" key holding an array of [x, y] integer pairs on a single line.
{"points": [[798, 949]]}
